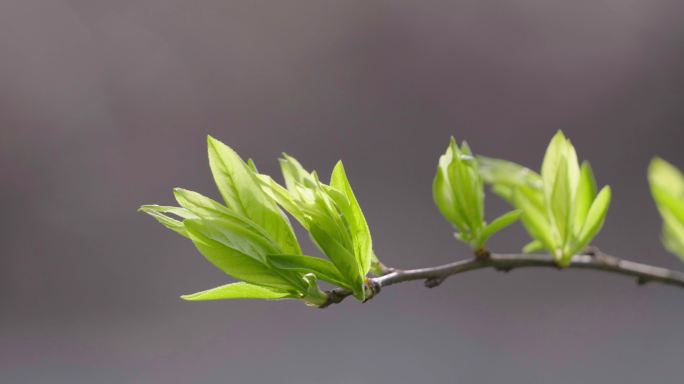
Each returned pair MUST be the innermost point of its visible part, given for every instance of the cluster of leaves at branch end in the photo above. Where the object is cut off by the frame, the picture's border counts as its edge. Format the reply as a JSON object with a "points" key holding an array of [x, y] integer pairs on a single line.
{"points": [[667, 188], [561, 209], [332, 216], [458, 192], [251, 239]]}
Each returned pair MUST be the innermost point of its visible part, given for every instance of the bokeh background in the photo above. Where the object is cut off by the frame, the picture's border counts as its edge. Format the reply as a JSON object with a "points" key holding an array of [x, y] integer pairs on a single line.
{"points": [[105, 105]]}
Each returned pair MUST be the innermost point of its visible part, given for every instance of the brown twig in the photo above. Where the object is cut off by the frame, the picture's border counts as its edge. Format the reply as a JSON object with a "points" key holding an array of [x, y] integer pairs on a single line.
{"points": [[594, 259]]}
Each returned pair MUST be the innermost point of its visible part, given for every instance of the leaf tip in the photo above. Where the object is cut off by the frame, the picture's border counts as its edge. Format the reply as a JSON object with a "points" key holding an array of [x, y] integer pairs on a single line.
{"points": [[559, 134], [608, 191], [211, 141], [189, 297]]}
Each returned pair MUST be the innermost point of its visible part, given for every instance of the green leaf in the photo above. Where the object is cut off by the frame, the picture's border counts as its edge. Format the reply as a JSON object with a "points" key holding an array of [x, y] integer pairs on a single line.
{"points": [[673, 236], [239, 290], [560, 149], [377, 268], [506, 176], [586, 192], [283, 197], [554, 154], [342, 257], [574, 171], [240, 253], [252, 165], [498, 224], [560, 207], [363, 244], [667, 188], [200, 205], [294, 174], [204, 207], [443, 196], [326, 215], [668, 203], [663, 174], [323, 269], [159, 211], [465, 196], [533, 246], [534, 220], [595, 218], [241, 191]]}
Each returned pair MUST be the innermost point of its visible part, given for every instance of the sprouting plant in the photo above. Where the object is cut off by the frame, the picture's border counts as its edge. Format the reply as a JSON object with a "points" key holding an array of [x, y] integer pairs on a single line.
{"points": [[333, 218], [561, 210], [249, 236], [458, 191], [252, 240]]}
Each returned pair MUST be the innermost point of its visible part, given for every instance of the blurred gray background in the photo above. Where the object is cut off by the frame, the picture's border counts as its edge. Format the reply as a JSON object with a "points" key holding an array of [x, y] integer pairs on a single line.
{"points": [[105, 105]]}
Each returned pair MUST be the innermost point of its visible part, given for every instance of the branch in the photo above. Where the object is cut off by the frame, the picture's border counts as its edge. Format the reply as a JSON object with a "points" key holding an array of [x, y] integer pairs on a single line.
{"points": [[593, 259]]}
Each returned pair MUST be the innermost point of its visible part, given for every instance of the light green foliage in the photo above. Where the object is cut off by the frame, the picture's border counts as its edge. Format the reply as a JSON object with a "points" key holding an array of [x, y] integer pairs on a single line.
{"points": [[333, 218], [239, 187], [240, 290], [252, 240], [562, 211], [505, 177], [458, 192], [667, 188], [160, 213]]}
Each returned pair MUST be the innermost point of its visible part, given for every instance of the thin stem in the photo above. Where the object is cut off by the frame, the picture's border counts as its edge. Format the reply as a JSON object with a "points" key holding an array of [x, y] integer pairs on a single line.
{"points": [[594, 259]]}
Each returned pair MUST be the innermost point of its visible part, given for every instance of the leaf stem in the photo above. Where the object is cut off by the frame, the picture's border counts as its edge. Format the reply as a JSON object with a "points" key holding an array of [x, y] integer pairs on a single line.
{"points": [[593, 259]]}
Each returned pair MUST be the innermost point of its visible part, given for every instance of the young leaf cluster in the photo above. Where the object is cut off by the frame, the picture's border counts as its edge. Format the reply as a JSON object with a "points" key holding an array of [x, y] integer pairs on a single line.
{"points": [[458, 192], [667, 188], [333, 218], [251, 239], [561, 209]]}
